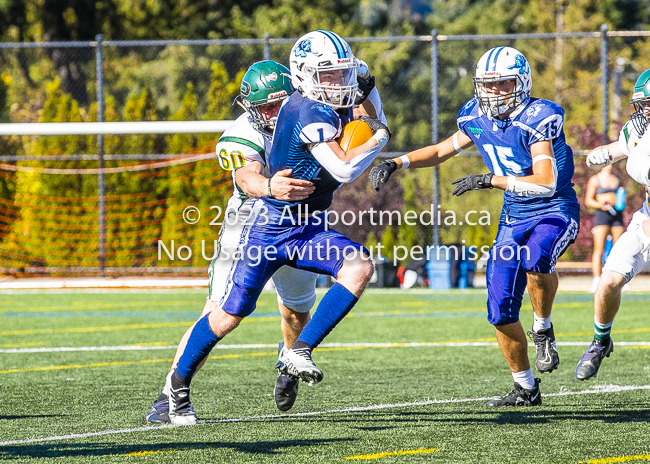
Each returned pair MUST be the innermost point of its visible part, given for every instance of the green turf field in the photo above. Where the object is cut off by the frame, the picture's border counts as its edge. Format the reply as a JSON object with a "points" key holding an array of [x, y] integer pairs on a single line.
{"points": [[389, 394]]}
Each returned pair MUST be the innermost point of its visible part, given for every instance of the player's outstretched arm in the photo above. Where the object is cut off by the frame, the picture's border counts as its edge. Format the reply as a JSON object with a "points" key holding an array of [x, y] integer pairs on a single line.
{"points": [[429, 156], [281, 186], [605, 155]]}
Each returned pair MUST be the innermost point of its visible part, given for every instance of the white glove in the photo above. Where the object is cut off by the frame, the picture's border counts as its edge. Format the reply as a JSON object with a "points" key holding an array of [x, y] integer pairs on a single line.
{"points": [[363, 72], [599, 158]]}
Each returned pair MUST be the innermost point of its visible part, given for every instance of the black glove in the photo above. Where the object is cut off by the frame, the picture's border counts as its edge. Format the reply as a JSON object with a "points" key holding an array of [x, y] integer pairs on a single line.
{"points": [[365, 87], [473, 182], [381, 173], [375, 125]]}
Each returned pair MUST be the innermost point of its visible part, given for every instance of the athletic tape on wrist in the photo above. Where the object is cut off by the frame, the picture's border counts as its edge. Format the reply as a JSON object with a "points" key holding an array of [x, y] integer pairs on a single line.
{"points": [[406, 162]]}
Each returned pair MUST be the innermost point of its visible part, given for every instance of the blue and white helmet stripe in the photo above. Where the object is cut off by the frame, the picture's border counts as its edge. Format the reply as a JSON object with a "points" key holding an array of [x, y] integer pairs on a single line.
{"points": [[496, 57], [340, 49], [489, 58]]}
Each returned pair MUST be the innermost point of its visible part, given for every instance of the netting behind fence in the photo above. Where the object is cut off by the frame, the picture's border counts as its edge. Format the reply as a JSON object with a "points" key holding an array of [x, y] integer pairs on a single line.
{"points": [[54, 234]]}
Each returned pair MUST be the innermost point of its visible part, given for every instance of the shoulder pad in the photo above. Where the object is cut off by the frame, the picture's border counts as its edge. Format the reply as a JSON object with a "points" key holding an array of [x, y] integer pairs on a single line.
{"points": [[539, 110], [468, 108]]}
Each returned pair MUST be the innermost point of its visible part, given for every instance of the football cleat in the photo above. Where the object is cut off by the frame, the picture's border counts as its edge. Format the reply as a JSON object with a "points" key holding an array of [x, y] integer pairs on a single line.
{"points": [[592, 358], [286, 386], [547, 358], [285, 391], [159, 413], [299, 364], [181, 411], [519, 397]]}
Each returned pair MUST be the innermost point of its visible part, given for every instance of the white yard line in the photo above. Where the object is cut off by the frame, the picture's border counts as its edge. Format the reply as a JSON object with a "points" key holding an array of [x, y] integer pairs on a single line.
{"points": [[596, 389], [254, 346]]}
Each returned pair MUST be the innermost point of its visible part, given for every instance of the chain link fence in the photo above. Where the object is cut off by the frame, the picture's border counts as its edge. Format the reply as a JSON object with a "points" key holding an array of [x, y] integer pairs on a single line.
{"points": [[424, 81]]}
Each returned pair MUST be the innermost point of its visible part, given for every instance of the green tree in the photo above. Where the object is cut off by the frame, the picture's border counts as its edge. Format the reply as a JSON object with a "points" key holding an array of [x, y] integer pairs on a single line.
{"points": [[371, 243], [388, 243]]}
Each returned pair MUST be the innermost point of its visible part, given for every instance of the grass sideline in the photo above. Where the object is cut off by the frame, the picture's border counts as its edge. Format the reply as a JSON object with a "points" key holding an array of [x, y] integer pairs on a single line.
{"points": [[388, 395]]}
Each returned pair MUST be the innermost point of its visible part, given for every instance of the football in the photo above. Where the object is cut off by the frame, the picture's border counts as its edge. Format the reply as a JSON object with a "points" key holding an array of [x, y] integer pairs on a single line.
{"points": [[355, 133]]}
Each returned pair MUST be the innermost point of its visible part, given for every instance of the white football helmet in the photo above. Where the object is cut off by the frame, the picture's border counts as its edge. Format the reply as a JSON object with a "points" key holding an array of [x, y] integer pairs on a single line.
{"points": [[501, 64], [324, 69]]}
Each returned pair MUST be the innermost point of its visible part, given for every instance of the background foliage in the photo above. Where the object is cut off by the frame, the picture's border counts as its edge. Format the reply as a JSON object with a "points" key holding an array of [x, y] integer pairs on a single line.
{"points": [[199, 82]]}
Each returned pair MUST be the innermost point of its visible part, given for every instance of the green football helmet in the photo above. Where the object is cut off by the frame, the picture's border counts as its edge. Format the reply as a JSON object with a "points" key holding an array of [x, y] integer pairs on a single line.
{"points": [[265, 82], [640, 98]]}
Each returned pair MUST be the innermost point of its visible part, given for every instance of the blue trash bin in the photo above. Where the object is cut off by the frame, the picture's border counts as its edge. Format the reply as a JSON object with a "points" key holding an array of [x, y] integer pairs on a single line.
{"points": [[439, 269], [466, 279]]}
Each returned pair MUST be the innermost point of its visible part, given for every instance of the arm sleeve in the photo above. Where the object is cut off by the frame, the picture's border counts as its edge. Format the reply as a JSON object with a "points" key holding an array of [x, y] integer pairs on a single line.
{"points": [[344, 171], [528, 189]]}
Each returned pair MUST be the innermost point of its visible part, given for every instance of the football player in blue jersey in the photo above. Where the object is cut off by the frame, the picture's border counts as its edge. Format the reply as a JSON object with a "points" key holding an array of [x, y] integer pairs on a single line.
{"points": [[242, 148], [294, 232], [521, 140]]}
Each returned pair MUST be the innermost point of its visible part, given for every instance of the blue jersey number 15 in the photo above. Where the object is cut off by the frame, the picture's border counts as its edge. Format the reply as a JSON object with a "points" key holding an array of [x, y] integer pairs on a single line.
{"points": [[502, 159]]}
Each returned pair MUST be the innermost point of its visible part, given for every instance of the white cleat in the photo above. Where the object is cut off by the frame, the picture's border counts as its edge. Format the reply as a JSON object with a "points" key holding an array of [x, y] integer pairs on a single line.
{"points": [[298, 363], [181, 411]]}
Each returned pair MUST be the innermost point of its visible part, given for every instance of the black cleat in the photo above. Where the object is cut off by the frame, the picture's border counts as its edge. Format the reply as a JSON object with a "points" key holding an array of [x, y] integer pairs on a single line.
{"points": [[592, 358], [519, 397], [285, 391], [547, 358], [159, 413], [286, 386]]}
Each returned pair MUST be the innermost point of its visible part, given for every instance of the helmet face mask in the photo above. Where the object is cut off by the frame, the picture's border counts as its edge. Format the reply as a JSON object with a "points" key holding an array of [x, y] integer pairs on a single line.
{"points": [[324, 69], [494, 67], [641, 101], [264, 87], [494, 102], [263, 116]]}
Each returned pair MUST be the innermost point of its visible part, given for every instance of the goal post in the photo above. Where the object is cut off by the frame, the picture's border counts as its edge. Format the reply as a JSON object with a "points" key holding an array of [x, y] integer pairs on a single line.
{"points": [[115, 128], [57, 221]]}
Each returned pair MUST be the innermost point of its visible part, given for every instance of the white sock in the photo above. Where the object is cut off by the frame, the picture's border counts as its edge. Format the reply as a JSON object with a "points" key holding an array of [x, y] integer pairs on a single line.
{"points": [[525, 379], [541, 323]]}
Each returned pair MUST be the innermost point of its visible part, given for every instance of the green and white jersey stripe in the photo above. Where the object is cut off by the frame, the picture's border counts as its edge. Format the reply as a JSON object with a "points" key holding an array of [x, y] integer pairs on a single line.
{"points": [[628, 138], [238, 145]]}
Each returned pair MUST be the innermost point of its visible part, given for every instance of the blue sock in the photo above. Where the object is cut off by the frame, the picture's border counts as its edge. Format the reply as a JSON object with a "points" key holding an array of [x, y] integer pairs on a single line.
{"points": [[334, 306], [201, 341]]}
